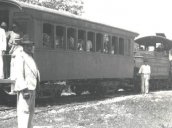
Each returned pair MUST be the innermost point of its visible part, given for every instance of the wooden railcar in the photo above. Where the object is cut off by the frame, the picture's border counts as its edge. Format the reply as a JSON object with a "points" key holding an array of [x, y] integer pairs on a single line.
{"points": [[108, 61]]}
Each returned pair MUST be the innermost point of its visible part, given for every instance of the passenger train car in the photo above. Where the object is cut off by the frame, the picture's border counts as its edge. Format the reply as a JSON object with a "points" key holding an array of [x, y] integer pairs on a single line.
{"points": [[63, 51]]}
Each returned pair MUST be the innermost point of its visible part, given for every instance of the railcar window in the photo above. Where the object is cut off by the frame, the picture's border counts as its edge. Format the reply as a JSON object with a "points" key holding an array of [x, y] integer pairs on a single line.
{"points": [[121, 46], [159, 47], [142, 48], [90, 44], [99, 42], [151, 48], [106, 43], [114, 45], [81, 40], [48, 35], [71, 38], [60, 37]]}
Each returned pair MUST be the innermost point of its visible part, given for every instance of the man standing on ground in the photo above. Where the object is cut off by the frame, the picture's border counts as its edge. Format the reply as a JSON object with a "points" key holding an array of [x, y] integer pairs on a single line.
{"points": [[26, 76], [3, 46], [145, 71]]}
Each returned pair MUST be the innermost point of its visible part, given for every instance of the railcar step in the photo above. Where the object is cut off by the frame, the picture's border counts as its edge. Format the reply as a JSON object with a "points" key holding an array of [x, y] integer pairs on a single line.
{"points": [[3, 81]]}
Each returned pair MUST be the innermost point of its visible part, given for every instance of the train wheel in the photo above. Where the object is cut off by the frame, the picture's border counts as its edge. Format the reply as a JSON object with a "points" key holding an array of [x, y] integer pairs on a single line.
{"points": [[58, 93], [76, 89], [100, 90], [92, 89], [73, 88]]}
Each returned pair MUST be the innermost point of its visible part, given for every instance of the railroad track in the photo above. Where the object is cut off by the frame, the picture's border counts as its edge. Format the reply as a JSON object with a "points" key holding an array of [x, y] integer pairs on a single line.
{"points": [[65, 102]]}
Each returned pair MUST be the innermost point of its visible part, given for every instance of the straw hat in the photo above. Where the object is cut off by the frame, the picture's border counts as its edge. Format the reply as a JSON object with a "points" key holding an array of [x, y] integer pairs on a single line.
{"points": [[23, 41], [26, 41]]}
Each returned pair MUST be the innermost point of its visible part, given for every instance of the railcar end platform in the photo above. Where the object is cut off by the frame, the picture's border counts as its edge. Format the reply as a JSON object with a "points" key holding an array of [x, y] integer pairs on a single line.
{"points": [[6, 81]]}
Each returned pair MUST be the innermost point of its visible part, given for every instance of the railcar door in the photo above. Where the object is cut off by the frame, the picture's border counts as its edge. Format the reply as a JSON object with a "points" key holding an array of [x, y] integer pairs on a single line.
{"points": [[10, 13]]}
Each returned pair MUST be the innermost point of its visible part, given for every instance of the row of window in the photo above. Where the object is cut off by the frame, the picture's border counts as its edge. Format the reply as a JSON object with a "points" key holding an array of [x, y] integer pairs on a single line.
{"points": [[81, 40]]}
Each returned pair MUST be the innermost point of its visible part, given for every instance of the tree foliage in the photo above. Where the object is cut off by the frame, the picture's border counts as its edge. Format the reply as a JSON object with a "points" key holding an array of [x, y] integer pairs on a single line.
{"points": [[72, 6]]}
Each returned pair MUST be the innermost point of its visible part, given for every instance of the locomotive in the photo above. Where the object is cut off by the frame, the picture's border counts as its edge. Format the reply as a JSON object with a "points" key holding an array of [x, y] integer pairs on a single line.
{"points": [[64, 57], [157, 50]]}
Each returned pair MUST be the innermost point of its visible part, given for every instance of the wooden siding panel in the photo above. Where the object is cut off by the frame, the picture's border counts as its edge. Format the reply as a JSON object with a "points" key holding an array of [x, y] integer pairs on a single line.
{"points": [[60, 65]]}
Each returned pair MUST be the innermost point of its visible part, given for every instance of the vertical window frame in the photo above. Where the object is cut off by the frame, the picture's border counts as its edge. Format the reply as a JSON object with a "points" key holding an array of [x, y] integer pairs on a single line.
{"points": [[121, 46]]}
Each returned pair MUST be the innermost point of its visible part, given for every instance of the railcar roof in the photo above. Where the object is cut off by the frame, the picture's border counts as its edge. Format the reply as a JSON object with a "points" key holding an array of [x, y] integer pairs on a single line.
{"points": [[67, 14], [152, 40]]}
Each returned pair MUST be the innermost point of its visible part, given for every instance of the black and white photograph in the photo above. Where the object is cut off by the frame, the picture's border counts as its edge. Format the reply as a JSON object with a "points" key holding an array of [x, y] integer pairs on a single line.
{"points": [[85, 64]]}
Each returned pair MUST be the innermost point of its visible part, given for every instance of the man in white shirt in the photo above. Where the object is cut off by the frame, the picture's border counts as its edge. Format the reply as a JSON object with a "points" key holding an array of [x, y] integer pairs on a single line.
{"points": [[3, 46], [26, 76], [145, 71]]}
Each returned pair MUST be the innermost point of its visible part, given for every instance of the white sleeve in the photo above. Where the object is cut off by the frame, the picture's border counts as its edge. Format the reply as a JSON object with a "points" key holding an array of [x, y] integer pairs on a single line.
{"points": [[140, 70], [19, 72]]}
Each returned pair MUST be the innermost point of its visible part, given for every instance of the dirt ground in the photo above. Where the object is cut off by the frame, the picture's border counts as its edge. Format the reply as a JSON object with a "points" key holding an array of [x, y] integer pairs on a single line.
{"points": [[153, 110]]}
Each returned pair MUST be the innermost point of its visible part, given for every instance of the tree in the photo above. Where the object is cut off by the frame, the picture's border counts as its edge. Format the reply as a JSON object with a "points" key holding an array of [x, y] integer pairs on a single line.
{"points": [[72, 6]]}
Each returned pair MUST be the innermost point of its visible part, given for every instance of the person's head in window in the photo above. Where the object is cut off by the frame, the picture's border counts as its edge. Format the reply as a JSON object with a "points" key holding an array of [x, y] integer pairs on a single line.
{"points": [[71, 42], [71, 39], [4, 26]]}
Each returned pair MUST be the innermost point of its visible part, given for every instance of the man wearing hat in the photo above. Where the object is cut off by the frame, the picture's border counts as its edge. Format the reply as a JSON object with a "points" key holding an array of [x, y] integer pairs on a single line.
{"points": [[14, 35], [3, 46], [26, 76], [145, 71]]}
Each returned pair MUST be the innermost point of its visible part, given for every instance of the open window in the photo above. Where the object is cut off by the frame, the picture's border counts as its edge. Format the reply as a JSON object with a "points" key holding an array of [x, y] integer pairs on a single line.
{"points": [[71, 38], [114, 45], [99, 42], [90, 44], [159, 47], [81, 40], [60, 37], [106, 43], [48, 35]]}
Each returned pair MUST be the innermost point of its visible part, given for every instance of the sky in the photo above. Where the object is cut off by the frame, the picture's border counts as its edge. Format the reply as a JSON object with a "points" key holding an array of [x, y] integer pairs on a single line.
{"points": [[146, 17]]}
